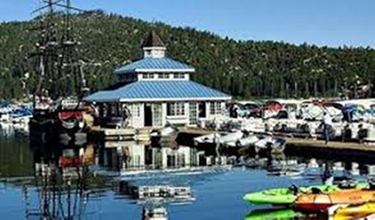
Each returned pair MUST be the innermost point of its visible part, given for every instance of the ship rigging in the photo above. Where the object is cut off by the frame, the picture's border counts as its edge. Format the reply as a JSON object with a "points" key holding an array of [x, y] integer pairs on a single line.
{"points": [[58, 110]]}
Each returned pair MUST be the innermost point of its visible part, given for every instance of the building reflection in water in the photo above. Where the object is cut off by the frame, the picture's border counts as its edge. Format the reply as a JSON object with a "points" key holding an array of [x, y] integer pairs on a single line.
{"points": [[126, 156], [66, 181], [158, 176], [62, 182]]}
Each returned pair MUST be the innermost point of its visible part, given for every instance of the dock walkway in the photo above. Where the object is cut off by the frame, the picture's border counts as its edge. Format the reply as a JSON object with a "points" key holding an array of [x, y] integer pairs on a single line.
{"points": [[310, 143], [292, 142]]}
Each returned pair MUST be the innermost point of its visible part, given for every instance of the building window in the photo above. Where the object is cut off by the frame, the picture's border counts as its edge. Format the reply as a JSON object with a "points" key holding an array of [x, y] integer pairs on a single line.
{"points": [[136, 110], [193, 113], [157, 114], [215, 108], [148, 75], [176, 109], [114, 109], [179, 75], [163, 76]]}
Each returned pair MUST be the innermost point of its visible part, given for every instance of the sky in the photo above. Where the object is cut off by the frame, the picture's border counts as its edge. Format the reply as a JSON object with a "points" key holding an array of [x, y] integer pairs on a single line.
{"points": [[322, 22]]}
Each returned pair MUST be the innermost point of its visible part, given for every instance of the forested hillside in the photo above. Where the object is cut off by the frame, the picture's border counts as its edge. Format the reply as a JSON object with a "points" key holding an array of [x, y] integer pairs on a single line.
{"points": [[241, 68]]}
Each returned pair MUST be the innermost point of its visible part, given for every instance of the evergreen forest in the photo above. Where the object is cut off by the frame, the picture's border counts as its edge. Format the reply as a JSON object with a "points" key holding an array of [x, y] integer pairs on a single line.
{"points": [[244, 69]]}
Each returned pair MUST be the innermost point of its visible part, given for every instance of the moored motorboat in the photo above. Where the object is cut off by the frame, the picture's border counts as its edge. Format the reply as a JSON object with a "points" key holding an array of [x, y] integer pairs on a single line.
{"points": [[247, 141], [207, 139], [270, 143], [232, 137]]}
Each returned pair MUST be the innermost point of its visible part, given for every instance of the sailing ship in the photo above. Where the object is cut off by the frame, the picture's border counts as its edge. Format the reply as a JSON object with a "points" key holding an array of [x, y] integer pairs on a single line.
{"points": [[57, 56]]}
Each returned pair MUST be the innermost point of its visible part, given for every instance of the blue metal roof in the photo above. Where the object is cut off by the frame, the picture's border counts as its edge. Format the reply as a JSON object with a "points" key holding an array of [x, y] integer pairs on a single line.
{"points": [[152, 64], [159, 90]]}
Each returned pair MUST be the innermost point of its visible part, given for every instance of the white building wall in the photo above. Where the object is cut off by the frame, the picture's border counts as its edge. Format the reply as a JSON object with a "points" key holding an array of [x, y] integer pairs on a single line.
{"points": [[222, 107], [186, 152], [164, 113], [164, 153], [138, 155], [208, 114], [137, 121], [187, 112]]}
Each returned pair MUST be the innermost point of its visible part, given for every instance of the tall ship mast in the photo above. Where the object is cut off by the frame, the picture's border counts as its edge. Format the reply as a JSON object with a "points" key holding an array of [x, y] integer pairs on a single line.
{"points": [[58, 109]]}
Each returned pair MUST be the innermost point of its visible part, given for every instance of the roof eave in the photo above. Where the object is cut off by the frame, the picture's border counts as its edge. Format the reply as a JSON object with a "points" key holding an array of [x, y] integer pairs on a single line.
{"points": [[101, 100], [187, 70], [224, 98], [120, 72]]}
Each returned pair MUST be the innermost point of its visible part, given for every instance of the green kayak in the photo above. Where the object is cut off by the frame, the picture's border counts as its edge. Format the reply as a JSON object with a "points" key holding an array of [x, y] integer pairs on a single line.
{"points": [[286, 196], [272, 214]]}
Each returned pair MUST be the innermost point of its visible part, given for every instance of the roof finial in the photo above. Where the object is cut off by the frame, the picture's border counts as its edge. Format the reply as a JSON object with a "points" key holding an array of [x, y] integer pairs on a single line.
{"points": [[152, 40], [153, 46]]}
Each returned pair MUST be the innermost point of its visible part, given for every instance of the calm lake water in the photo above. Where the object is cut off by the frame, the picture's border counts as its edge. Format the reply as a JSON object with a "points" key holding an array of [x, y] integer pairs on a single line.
{"points": [[217, 196]]}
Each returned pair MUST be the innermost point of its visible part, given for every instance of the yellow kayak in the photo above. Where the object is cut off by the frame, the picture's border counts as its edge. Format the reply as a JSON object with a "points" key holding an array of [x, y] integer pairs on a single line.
{"points": [[355, 211]]}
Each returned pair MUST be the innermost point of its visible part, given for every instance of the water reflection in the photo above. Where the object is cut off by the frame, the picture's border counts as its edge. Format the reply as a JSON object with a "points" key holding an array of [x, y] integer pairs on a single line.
{"points": [[138, 180], [282, 213], [62, 183], [273, 213], [64, 180], [156, 177], [11, 130]]}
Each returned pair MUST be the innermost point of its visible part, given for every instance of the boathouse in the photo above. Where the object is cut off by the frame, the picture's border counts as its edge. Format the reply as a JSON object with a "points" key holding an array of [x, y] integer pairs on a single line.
{"points": [[157, 90]]}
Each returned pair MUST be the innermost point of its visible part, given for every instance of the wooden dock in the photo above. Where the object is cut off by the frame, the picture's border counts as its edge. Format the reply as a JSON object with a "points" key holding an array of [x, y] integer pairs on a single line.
{"points": [[298, 144], [333, 145], [119, 134]]}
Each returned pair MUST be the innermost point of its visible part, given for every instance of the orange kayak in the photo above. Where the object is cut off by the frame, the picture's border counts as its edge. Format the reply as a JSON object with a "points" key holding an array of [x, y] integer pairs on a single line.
{"points": [[321, 201]]}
